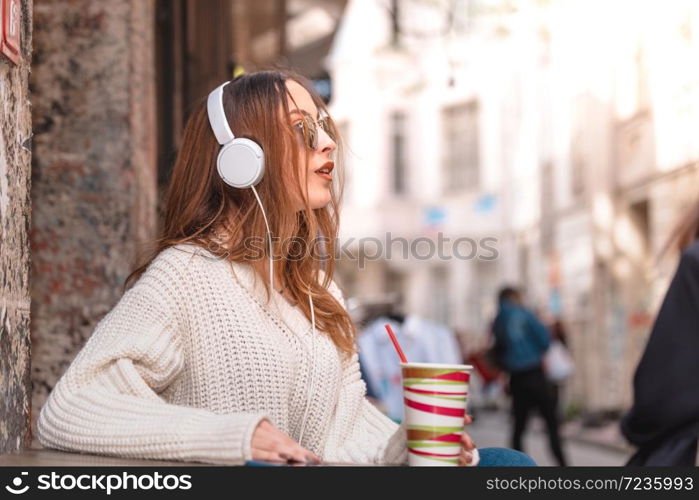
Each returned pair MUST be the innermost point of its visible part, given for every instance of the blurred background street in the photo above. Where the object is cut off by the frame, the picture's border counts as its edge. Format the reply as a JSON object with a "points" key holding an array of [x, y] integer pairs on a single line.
{"points": [[584, 448], [549, 145]]}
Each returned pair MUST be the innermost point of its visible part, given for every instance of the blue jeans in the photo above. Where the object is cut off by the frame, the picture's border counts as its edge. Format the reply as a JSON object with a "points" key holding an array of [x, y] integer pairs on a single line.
{"points": [[503, 457], [490, 457]]}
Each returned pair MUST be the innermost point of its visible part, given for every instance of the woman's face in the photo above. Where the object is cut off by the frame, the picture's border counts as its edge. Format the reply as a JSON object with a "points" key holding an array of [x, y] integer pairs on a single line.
{"points": [[316, 165]]}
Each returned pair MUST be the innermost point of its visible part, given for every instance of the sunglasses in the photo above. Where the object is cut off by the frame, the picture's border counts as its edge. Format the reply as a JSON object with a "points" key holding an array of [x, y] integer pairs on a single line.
{"points": [[307, 129]]}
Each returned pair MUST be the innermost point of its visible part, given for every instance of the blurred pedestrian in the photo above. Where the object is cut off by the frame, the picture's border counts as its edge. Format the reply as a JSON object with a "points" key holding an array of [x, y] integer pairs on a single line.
{"points": [[521, 341], [422, 340], [664, 420], [558, 363], [491, 375]]}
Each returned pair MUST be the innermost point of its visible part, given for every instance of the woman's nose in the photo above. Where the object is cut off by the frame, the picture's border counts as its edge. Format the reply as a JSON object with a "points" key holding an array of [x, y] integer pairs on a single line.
{"points": [[325, 142]]}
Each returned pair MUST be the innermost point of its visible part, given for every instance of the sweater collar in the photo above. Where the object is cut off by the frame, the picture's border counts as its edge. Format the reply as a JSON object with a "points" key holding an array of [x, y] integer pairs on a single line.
{"points": [[276, 304], [291, 315]]}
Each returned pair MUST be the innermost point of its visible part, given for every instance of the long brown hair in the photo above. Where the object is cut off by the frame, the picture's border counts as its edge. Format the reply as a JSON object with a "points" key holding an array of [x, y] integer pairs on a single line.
{"points": [[200, 207]]}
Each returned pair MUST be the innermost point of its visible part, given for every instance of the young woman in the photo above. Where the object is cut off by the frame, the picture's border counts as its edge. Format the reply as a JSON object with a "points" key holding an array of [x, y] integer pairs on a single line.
{"points": [[664, 420], [230, 346]]}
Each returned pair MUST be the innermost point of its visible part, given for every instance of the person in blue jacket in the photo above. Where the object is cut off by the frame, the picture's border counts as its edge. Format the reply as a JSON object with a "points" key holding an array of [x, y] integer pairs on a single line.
{"points": [[520, 344]]}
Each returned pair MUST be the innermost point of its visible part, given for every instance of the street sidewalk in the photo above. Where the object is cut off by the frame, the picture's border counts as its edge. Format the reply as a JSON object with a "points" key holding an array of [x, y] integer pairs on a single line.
{"points": [[584, 446], [607, 435]]}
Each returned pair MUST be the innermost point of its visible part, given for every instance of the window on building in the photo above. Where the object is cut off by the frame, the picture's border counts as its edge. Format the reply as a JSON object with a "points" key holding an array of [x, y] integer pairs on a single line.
{"points": [[580, 145], [396, 286], [483, 276], [547, 205], [395, 23], [578, 166], [398, 152], [346, 277], [461, 147], [440, 295], [639, 215], [463, 12], [641, 77]]}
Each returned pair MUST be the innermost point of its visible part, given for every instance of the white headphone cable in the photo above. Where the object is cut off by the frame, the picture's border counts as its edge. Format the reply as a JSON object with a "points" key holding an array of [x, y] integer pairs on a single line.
{"points": [[313, 316], [313, 368], [269, 238]]}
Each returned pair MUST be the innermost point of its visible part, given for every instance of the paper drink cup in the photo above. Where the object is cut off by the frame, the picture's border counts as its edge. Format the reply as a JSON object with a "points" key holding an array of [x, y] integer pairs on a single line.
{"points": [[435, 398]]}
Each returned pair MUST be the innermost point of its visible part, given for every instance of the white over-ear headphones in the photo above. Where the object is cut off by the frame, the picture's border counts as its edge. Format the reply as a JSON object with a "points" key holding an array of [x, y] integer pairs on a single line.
{"points": [[241, 164], [241, 161]]}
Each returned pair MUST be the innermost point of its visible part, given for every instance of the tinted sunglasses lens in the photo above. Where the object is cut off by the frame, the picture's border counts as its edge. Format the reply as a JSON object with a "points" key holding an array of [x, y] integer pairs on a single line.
{"points": [[328, 128], [307, 132], [311, 134]]}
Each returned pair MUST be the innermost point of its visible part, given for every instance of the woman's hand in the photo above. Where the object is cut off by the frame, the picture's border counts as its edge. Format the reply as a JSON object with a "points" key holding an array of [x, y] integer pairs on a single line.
{"points": [[269, 444], [467, 445]]}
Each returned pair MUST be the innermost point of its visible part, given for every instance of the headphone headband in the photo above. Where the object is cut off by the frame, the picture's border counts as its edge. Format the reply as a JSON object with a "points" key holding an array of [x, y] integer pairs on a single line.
{"points": [[217, 116]]}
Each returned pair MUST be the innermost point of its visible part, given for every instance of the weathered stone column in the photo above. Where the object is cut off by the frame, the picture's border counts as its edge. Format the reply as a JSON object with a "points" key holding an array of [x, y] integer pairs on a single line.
{"points": [[15, 216], [94, 182]]}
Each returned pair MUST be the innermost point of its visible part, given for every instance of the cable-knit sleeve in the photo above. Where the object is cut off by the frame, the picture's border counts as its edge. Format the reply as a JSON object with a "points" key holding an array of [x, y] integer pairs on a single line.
{"points": [[360, 433], [109, 400]]}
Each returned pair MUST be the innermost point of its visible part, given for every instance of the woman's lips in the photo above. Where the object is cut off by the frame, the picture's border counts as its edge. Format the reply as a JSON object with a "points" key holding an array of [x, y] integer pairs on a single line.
{"points": [[326, 170]]}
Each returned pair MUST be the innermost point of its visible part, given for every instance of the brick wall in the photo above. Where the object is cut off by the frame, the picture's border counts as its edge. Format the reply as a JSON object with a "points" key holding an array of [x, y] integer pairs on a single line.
{"points": [[15, 216], [94, 169]]}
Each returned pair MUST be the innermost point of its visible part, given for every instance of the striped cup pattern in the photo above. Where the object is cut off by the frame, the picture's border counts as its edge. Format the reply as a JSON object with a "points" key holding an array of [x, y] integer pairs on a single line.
{"points": [[435, 407]]}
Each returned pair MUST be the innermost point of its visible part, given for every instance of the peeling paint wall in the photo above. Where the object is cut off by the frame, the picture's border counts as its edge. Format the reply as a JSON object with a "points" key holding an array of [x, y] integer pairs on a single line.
{"points": [[94, 168], [15, 218]]}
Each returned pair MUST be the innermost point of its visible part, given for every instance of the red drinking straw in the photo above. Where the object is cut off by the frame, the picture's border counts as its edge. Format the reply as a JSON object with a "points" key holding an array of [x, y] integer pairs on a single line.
{"points": [[395, 343]]}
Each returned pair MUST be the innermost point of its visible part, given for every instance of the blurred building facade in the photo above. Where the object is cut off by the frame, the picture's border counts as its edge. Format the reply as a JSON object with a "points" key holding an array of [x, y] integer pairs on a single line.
{"points": [[563, 129]]}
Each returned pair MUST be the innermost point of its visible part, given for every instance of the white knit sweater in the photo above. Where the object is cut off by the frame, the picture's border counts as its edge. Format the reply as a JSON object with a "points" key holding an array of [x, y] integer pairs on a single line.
{"points": [[193, 357]]}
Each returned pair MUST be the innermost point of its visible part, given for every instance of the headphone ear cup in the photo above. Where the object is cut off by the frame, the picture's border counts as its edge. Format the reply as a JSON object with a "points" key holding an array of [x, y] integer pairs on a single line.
{"points": [[241, 163]]}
